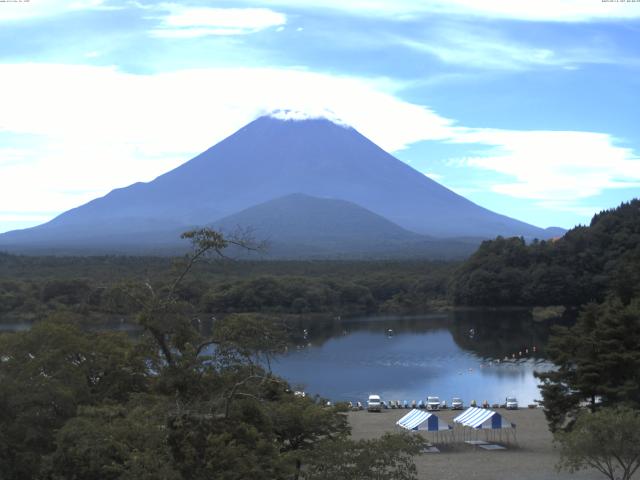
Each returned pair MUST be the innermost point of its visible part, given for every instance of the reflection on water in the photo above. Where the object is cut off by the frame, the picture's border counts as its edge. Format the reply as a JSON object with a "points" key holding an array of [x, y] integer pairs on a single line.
{"points": [[475, 355]]}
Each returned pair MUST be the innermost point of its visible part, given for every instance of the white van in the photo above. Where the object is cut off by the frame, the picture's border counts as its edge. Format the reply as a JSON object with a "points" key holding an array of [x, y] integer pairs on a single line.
{"points": [[374, 404], [433, 403], [456, 404], [511, 403]]}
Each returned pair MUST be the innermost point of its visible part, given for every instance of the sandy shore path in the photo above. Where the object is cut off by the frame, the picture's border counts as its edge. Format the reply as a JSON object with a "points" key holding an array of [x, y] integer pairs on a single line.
{"points": [[533, 458]]}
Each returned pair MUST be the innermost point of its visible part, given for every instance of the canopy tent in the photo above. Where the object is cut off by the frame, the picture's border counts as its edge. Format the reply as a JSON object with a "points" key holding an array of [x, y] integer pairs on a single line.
{"points": [[484, 419], [419, 420]]}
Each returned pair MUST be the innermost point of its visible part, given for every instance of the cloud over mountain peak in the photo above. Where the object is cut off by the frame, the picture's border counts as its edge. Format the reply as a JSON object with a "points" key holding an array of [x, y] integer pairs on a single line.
{"points": [[308, 114]]}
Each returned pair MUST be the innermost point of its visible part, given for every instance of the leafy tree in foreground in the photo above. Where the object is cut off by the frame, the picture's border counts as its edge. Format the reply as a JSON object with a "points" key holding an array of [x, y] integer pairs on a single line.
{"points": [[608, 441], [115, 442], [390, 456], [46, 375]]}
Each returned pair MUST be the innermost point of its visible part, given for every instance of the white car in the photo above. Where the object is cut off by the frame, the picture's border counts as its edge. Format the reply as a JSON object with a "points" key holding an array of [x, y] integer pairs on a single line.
{"points": [[456, 404], [511, 403], [374, 404], [433, 403]]}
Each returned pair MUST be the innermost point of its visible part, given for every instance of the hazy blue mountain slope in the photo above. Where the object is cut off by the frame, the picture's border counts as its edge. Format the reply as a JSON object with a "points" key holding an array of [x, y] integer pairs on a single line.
{"points": [[299, 225], [302, 218]]}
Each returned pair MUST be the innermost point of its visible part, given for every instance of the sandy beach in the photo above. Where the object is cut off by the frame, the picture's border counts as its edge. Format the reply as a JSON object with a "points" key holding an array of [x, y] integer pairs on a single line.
{"points": [[532, 458]]}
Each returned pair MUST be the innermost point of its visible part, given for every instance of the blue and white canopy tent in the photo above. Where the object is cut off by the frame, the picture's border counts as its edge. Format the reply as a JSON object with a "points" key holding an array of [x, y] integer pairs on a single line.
{"points": [[481, 419], [420, 420]]}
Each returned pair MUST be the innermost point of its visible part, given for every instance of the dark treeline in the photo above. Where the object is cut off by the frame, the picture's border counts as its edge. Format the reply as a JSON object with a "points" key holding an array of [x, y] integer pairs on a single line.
{"points": [[33, 287], [583, 266]]}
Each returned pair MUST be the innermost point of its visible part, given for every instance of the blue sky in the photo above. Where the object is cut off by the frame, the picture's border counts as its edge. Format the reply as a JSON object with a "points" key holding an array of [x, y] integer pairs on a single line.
{"points": [[529, 108]]}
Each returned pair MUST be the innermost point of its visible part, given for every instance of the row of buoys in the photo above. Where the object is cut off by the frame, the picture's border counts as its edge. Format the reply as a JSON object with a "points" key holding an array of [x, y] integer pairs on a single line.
{"points": [[520, 354]]}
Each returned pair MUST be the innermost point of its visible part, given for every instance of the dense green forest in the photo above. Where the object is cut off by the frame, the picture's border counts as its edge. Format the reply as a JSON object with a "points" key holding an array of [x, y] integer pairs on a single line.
{"points": [[31, 288], [584, 265]]}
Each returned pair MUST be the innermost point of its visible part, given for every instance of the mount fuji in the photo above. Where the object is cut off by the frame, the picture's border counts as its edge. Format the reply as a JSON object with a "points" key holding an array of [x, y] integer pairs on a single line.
{"points": [[268, 159]]}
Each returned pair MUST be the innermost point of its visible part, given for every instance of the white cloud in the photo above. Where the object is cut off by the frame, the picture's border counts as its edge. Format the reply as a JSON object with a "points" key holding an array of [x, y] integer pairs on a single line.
{"points": [[297, 115], [484, 48], [479, 52], [433, 176], [191, 22], [539, 10], [553, 167], [16, 11]]}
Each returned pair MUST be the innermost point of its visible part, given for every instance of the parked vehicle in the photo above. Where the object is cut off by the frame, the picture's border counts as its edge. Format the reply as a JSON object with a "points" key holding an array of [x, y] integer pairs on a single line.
{"points": [[511, 403], [456, 404], [433, 403], [374, 404]]}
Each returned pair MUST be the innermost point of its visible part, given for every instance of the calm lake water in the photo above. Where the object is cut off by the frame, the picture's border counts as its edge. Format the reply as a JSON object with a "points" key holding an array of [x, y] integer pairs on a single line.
{"points": [[474, 354]]}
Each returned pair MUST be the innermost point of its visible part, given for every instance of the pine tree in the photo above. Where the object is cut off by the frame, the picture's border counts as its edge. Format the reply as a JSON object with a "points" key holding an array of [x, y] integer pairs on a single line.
{"points": [[597, 363]]}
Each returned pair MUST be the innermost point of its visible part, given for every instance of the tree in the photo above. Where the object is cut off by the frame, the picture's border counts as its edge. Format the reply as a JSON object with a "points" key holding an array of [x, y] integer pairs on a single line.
{"points": [[233, 418], [607, 440], [597, 363], [46, 375], [115, 441], [390, 456]]}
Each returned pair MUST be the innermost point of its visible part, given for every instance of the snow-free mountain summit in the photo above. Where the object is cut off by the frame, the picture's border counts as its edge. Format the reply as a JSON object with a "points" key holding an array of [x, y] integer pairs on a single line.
{"points": [[268, 159]]}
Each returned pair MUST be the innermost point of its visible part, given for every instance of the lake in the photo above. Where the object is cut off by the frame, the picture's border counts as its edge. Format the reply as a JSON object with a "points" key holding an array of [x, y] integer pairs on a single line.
{"points": [[481, 355]]}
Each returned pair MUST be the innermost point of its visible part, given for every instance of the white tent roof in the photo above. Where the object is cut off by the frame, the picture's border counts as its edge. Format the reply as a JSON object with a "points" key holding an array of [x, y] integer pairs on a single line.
{"points": [[482, 418], [421, 420]]}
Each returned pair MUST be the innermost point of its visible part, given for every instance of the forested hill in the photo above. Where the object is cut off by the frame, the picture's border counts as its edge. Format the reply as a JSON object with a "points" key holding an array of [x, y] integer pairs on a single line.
{"points": [[584, 265]]}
